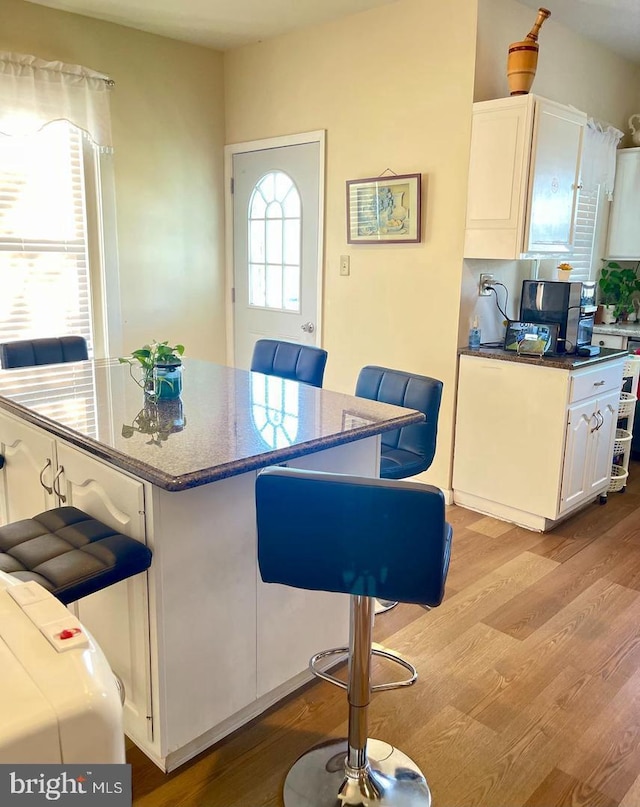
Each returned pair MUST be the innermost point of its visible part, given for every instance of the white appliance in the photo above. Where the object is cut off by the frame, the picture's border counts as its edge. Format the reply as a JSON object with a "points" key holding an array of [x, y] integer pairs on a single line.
{"points": [[58, 700]]}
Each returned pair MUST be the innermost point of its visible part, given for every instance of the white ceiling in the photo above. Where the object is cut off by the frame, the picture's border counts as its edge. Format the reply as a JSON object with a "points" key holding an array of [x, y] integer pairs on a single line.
{"points": [[220, 24], [224, 24]]}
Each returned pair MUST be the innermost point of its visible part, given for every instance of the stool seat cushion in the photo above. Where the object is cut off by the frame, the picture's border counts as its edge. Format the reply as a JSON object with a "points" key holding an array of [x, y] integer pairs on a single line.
{"points": [[69, 553], [395, 463]]}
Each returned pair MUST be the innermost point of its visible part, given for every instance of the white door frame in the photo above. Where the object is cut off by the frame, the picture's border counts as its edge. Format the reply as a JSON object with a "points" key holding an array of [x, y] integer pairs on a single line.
{"points": [[259, 145]]}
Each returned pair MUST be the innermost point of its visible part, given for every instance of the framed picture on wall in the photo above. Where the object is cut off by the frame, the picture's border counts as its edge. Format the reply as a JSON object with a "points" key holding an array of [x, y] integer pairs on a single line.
{"points": [[384, 210]]}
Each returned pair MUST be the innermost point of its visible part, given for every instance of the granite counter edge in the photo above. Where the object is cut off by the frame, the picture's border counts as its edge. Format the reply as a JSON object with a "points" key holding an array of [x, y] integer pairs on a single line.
{"points": [[205, 476], [559, 362]]}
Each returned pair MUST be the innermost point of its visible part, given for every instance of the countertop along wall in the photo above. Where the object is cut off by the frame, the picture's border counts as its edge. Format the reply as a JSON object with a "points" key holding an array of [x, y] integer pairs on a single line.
{"points": [[572, 70], [392, 87], [168, 128]]}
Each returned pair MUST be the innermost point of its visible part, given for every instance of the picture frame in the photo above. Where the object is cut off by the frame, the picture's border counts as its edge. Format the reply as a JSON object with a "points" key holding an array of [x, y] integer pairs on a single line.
{"points": [[384, 210]]}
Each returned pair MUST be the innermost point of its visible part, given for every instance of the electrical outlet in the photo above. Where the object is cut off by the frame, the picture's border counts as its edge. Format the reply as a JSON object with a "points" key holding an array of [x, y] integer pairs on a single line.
{"points": [[486, 280], [345, 269]]}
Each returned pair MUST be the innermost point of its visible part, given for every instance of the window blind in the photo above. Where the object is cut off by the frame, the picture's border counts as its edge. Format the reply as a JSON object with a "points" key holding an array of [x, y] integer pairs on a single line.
{"points": [[44, 267], [586, 217], [43, 236]]}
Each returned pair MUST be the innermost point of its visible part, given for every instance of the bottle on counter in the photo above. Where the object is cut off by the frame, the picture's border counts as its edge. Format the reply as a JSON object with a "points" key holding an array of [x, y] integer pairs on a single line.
{"points": [[474, 334]]}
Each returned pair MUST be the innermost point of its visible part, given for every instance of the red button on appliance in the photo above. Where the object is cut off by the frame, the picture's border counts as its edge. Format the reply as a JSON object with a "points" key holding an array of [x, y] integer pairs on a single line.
{"points": [[68, 633]]}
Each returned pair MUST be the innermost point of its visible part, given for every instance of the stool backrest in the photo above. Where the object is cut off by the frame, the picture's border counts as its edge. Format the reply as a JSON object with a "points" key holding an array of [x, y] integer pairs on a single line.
{"points": [[31, 352], [414, 392], [354, 535], [289, 360]]}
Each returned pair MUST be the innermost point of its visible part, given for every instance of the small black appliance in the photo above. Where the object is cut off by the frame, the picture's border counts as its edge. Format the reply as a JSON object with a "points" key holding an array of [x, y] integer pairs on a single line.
{"points": [[570, 305]]}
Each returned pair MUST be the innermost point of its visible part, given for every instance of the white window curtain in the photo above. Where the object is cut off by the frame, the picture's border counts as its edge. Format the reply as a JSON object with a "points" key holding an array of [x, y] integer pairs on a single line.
{"points": [[58, 263], [599, 157], [34, 92]]}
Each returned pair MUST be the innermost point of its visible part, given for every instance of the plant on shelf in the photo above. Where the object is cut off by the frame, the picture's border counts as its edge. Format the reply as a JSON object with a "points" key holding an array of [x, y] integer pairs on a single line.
{"points": [[148, 357], [618, 287]]}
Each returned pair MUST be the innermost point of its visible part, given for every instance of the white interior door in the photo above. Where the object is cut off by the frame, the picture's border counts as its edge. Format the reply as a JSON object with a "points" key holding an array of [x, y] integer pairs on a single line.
{"points": [[277, 210]]}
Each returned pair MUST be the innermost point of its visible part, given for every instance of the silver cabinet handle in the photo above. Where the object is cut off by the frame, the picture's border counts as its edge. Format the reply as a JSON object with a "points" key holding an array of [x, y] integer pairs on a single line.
{"points": [[599, 416], [47, 464], [598, 383], [57, 490], [308, 327], [593, 428]]}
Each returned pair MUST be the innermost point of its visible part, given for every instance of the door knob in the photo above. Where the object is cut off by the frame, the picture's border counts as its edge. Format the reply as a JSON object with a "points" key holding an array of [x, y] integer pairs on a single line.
{"points": [[308, 327]]}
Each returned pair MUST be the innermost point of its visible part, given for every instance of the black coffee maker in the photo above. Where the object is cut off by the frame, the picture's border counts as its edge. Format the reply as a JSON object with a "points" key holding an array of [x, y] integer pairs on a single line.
{"points": [[565, 304]]}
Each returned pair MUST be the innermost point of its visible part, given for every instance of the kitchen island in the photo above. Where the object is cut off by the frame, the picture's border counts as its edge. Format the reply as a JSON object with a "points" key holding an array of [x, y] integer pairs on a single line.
{"points": [[534, 435], [201, 644]]}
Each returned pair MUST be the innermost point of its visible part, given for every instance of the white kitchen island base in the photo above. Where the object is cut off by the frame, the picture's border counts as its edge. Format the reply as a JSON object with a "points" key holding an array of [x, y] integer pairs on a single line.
{"points": [[200, 643]]}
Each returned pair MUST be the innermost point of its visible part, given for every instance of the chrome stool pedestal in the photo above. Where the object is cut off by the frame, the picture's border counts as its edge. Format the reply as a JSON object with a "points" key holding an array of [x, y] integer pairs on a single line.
{"points": [[357, 771], [390, 779]]}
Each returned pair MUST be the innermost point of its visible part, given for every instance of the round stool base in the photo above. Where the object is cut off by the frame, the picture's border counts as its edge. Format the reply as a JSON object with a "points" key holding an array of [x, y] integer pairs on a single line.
{"points": [[318, 779], [382, 606]]}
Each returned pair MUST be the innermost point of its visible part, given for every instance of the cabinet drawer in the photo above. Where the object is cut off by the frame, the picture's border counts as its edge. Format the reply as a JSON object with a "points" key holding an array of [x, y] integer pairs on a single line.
{"points": [[595, 381], [608, 340]]}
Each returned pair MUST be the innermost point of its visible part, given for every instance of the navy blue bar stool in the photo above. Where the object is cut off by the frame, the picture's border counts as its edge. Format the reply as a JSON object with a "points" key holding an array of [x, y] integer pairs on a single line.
{"points": [[69, 553], [32, 352], [370, 538], [410, 450], [304, 363]]}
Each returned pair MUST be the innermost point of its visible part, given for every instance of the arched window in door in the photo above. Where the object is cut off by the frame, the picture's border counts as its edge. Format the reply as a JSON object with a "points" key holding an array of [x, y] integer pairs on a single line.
{"points": [[275, 225]]}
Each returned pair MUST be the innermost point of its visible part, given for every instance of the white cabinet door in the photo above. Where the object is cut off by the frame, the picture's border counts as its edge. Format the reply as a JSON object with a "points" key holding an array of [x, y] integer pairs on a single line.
{"points": [[576, 480], [118, 616], [624, 229], [554, 178], [26, 478], [590, 436], [603, 439], [523, 178]]}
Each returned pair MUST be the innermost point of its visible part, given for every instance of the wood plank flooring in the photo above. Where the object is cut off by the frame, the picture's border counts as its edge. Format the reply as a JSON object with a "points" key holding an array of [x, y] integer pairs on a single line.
{"points": [[529, 687]]}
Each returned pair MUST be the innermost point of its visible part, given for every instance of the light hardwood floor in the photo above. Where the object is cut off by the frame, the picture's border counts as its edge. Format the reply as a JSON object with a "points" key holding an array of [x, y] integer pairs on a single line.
{"points": [[529, 687]]}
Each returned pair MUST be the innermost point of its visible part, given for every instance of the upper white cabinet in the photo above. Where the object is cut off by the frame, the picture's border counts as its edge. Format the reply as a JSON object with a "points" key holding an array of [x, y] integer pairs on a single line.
{"points": [[624, 224], [524, 176]]}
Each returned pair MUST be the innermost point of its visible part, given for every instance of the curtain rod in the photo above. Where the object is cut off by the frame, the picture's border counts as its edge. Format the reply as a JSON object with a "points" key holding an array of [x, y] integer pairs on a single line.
{"points": [[85, 74]]}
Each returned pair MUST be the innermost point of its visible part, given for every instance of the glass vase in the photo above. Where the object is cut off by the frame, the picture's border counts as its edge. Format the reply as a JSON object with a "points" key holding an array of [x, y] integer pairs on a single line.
{"points": [[167, 381]]}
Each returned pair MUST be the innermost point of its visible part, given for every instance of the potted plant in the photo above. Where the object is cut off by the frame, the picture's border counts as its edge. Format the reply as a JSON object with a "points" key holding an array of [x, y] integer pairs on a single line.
{"points": [[564, 272], [617, 287], [161, 366]]}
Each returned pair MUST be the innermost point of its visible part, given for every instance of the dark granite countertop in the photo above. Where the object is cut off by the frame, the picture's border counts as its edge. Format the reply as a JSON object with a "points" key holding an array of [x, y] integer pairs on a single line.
{"points": [[226, 422], [570, 362]]}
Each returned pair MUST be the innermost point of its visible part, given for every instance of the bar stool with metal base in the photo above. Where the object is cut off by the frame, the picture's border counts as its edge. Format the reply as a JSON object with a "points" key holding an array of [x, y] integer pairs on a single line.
{"points": [[368, 538]]}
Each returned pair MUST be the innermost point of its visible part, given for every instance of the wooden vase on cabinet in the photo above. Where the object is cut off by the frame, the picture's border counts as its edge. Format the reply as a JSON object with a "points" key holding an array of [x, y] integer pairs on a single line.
{"points": [[522, 58]]}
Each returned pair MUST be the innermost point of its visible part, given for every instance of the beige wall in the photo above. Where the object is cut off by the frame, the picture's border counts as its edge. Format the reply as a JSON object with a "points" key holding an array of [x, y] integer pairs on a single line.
{"points": [[168, 128], [393, 89]]}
